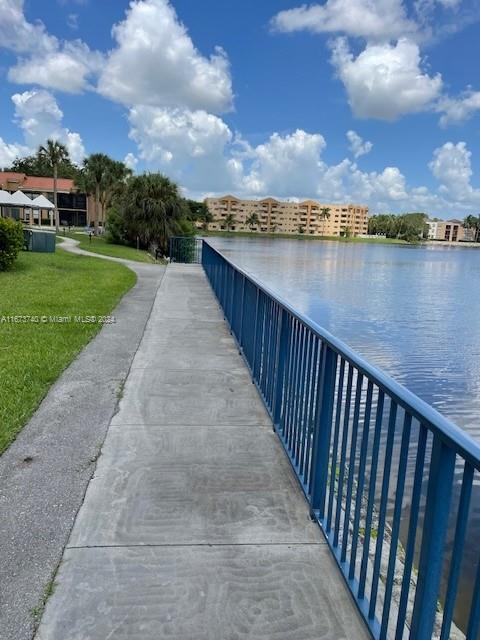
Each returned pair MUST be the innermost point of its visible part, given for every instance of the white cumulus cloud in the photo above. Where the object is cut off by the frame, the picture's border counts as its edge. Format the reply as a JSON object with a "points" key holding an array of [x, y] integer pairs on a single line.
{"points": [[191, 146], [69, 68], [131, 161], [458, 110], [385, 81], [20, 36], [358, 146], [39, 116], [286, 165], [156, 63], [44, 60], [9, 152], [371, 19], [451, 165]]}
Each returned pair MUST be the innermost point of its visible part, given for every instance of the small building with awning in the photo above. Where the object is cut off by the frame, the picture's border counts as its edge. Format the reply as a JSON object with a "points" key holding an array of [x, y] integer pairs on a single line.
{"points": [[74, 207]]}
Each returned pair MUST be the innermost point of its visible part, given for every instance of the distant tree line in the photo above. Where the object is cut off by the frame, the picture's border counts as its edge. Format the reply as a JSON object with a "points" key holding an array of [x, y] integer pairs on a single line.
{"points": [[410, 227], [473, 222]]}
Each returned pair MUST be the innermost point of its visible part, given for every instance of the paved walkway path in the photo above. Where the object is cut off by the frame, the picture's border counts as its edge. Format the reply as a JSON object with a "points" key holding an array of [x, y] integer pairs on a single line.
{"points": [[71, 245], [193, 526]]}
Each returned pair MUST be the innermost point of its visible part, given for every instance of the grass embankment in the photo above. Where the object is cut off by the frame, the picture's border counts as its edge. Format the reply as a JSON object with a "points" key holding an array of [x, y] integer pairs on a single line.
{"points": [[33, 354], [101, 246], [298, 236]]}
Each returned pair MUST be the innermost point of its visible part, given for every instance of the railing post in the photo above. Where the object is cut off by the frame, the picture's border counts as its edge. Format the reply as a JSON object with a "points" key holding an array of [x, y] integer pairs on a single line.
{"points": [[242, 312], [435, 527], [322, 432], [281, 359]]}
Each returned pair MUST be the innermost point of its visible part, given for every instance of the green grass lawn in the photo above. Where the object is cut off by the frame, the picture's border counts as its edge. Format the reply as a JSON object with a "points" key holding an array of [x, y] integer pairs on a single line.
{"points": [[298, 236], [32, 355], [100, 245]]}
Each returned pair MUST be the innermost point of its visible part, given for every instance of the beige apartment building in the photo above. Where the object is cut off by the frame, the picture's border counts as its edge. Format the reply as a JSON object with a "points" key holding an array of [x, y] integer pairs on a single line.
{"points": [[277, 216], [449, 231]]}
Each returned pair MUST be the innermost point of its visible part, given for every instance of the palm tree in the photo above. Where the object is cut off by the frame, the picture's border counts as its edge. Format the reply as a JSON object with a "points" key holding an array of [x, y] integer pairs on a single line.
{"points": [[472, 222], [114, 180], [104, 178], [54, 153], [153, 209], [324, 215], [230, 220], [95, 173], [253, 221]]}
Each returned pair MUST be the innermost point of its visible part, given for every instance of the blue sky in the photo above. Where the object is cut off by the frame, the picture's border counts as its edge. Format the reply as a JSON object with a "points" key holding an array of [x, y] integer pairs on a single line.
{"points": [[371, 101]]}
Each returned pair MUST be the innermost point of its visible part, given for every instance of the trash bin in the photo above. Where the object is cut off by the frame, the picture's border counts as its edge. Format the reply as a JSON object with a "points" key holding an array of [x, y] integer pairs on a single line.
{"points": [[43, 242]]}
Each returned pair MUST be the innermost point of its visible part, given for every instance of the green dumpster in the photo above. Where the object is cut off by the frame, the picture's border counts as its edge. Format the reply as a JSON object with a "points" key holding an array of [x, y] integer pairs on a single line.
{"points": [[39, 241]]}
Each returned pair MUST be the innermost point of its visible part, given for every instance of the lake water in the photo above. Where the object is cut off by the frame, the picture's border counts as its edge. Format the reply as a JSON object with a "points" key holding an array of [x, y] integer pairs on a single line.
{"points": [[413, 311]]}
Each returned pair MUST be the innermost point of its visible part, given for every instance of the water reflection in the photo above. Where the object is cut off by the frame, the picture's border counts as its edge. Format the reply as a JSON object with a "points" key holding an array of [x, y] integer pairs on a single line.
{"points": [[412, 311]]}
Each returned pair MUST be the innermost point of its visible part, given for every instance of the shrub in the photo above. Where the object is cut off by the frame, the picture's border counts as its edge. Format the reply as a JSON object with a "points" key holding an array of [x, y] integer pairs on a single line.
{"points": [[115, 228], [11, 242]]}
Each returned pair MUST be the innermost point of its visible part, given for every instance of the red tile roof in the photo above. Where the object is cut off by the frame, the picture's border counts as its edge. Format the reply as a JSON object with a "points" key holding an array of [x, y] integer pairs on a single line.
{"points": [[34, 183]]}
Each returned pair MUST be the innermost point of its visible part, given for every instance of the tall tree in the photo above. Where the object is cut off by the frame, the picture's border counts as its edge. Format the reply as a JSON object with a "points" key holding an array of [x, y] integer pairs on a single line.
{"points": [[54, 153], [96, 178], [324, 215], [113, 183], [253, 221]]}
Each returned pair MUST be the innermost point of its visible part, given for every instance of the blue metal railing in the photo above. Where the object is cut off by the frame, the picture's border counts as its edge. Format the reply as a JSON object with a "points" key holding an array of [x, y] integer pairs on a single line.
{"points": [[185, 249], [379, 467]]}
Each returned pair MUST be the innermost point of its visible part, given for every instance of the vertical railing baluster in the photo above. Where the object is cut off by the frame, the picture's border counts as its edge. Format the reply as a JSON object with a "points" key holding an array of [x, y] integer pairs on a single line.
{"points": [[322, 433], [351, 466], [395, 529], [333, 464], [304, 465], [306, 406], [442, 467], [254, 352], [457, 551], [473, 629], [383, 509], [412, 532], [242, 313], [293, 385], [361, 479], [343, 454], [299, 392], [281, 359]]}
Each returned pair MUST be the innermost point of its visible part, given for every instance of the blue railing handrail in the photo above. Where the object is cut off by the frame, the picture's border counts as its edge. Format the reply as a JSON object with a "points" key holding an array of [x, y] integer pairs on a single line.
{"points": [[452, 434]]}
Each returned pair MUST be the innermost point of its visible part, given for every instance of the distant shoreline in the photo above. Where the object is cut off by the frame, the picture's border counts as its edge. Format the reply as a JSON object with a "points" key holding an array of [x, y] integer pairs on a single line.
{"points": [[298, 236], [356, 239]]}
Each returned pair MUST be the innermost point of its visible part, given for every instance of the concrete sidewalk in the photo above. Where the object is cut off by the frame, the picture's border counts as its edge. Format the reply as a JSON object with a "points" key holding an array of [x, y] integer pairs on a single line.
{"points": [[193, 526]]}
